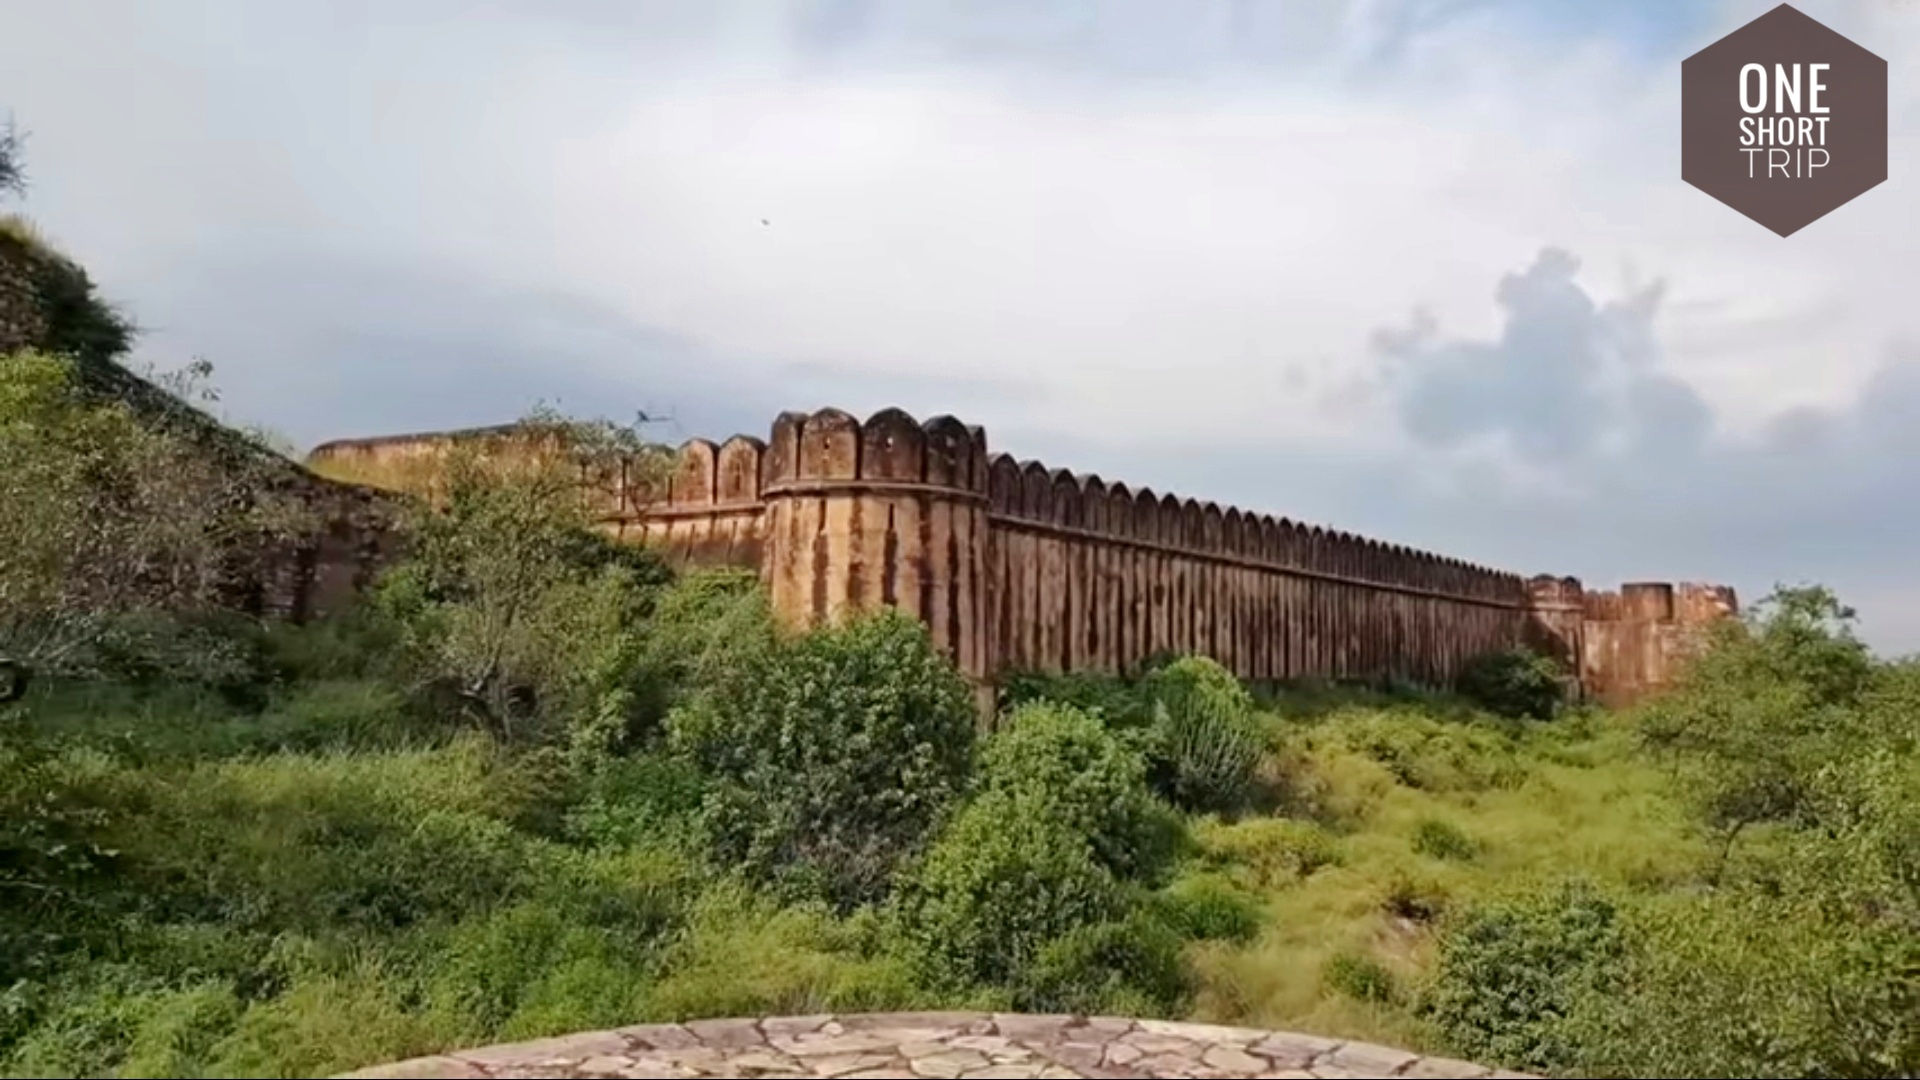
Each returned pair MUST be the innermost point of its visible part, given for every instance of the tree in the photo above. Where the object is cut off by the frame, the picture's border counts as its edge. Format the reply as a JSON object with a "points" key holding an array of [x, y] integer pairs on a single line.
{"points": [[112, 527], [13, 175], [510, 598]]}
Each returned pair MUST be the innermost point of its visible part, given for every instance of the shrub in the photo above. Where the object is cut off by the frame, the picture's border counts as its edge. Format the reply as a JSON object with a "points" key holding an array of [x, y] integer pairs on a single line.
{"points": [[1207, 737], [1443, 840], [1509, 976], [1269, 852], [707, 623], [742, 954], [1129, 967], [512, 603], [1516, 683], [832, 755], [651, 800], [1416, 897], [1064, 765], [1361, 978], [1118, 704], [1209, 907], [1749, 985], [1428, 754], [1003, 881], [287, 842]]}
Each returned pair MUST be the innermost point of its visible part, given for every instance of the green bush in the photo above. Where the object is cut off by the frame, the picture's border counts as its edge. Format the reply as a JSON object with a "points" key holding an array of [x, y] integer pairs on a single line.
{"points": [[1208, 739], [832, 755], [1361, 978], [1003, 881], [1130, 967], [1746, 985], [1268, 852], [1064, 765], [645, 801], [288, 842], [1443, 840], [704, 625], [1511, 979], [1119, 704], [1430, 754], [1209, 907], [1516, 683]]}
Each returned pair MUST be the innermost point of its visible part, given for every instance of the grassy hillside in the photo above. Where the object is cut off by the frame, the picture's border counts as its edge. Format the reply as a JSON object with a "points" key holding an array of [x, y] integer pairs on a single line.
{"points": [[536, 783]]}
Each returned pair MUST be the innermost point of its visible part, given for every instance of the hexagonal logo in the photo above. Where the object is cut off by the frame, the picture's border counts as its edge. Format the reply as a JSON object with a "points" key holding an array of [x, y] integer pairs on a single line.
{"points": [[1783, 120]]}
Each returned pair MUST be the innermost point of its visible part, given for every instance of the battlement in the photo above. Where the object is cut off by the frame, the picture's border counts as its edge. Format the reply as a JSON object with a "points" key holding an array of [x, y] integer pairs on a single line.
{"points": [[1016, 566]]}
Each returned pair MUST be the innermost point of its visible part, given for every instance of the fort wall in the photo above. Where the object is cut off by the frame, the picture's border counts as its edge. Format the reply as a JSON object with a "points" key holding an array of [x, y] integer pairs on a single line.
{"points": [[1017, 566]]}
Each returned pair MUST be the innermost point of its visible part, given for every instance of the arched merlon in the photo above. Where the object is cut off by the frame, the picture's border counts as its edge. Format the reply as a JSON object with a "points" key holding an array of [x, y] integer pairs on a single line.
{"points": [[1017, 566]]}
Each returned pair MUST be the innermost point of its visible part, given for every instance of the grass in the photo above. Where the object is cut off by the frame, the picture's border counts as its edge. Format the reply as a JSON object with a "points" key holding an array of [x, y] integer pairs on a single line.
{"points": [[1388, 861], [322, 881]]}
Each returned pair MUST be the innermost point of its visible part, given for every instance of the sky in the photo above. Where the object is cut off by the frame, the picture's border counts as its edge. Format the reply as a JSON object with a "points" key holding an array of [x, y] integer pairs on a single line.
{"points": [[1419, 269]]}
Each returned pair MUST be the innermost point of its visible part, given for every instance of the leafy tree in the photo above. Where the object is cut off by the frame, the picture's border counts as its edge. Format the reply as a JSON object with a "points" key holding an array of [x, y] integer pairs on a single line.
{"points": [[112, 530], [1517, 683], [834, 754], [1773, 702], [510, 600]]}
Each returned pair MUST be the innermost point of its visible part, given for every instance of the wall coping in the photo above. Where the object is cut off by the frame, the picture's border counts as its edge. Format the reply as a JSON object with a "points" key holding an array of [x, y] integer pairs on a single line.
{"points": [[957, 1044]]}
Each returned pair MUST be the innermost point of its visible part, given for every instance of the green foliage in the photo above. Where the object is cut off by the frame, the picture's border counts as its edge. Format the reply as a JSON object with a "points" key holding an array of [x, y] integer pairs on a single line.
{"points": [[1210, 907], [1443, 840], [1000, 884], [1748, 986], [119, 540], [1429, 754], [513, 605], [75, 322], [1516, 683], [1361, 978], [1772, 705], [832, 754], [1268, 852], [631, 802], [1063, 766], [704, 626], [1208, 738], [1118, 703], [1129, 967], [1511, 977]]}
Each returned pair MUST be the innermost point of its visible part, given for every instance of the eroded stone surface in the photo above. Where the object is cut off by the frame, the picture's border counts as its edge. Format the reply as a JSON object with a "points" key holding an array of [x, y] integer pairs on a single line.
{"points": [[955, 1045]]}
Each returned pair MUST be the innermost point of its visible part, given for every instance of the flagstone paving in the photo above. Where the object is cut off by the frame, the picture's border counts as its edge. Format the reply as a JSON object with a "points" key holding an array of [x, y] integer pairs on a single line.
{"points": [[962, 1045]]}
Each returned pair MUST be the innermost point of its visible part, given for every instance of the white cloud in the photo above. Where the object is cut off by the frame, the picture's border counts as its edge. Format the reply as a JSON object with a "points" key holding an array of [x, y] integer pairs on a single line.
{"points": [[1100, 235]]}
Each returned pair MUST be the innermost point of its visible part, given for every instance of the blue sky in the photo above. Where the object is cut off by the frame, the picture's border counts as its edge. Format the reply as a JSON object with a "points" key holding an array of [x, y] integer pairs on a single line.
{"points": [[1423, 269]]}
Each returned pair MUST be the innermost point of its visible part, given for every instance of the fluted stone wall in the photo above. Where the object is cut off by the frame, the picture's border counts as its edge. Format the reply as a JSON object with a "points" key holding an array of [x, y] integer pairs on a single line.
{"points": [[1016, 566]]}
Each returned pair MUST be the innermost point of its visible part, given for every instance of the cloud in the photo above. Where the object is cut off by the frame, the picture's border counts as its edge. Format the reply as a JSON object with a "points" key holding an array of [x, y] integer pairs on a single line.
{"points": [[1182, 250]]}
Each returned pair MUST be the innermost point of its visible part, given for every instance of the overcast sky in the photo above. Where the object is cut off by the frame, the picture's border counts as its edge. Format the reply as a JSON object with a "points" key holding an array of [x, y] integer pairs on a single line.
{"points": [[1422, 269]]}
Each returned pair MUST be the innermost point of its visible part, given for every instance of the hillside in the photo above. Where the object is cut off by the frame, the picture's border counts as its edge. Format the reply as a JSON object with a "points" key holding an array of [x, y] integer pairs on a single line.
{"points": [[531, 780]]}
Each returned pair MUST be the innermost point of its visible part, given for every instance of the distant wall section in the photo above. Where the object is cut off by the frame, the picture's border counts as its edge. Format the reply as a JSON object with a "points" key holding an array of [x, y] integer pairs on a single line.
{"points": [[1015, 566]]}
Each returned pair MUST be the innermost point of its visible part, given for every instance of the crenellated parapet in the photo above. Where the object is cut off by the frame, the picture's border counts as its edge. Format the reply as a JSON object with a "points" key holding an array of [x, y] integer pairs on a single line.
{"points": [[1015, 566], [890, 512], [1028, 495]]}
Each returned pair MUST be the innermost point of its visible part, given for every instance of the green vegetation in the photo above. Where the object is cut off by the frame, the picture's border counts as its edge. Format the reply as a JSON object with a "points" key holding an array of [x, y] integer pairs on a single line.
{"points": [[536, 783]]}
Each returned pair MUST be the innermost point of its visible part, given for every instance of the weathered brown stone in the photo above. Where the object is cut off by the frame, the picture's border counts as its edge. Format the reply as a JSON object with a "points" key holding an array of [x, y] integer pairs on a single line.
{"points": [[726, 1034], [1294, 1051], [1445, 1069], [943, 1045], [1366, 1059], [658, 1036], [422, 1068]]}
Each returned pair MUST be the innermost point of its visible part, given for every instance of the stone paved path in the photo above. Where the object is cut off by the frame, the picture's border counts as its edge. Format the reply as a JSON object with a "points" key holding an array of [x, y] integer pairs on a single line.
{"points": [[932, 1045]]}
